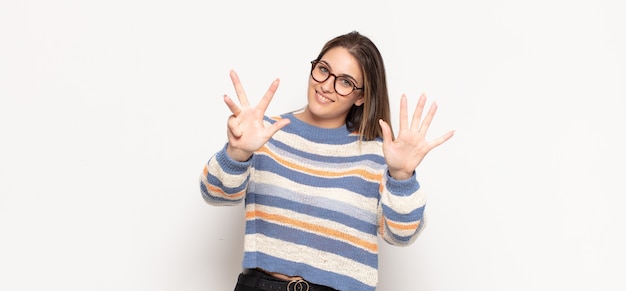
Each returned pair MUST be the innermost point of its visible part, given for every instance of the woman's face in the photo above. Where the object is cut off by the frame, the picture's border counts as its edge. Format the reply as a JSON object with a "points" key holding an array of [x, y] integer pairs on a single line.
{"points": [[325, 107]]}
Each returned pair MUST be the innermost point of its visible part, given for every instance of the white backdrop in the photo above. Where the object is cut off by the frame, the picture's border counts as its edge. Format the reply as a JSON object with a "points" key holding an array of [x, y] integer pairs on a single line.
{"points": [[109, 109]]}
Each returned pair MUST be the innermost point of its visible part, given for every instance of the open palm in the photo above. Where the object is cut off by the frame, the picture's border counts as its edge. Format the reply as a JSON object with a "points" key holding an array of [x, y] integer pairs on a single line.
{"points": [[246, 129], [407, 151]]}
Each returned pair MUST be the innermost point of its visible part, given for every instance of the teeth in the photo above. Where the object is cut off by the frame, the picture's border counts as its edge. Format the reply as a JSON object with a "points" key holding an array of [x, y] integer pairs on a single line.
{"points": [[324, 99]]}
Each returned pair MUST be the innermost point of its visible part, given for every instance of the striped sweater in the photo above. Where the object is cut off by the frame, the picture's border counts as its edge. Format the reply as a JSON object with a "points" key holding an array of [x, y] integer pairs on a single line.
{"points": [[316, 201]]}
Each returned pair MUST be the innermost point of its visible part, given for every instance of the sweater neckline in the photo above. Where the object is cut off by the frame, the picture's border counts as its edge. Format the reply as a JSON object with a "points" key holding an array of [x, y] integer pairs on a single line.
{"points": [[308, 130]]}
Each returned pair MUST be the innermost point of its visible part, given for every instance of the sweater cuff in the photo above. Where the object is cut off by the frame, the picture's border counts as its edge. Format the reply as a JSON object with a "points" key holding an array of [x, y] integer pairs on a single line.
{"points": [[229, 165], [401, 187]]}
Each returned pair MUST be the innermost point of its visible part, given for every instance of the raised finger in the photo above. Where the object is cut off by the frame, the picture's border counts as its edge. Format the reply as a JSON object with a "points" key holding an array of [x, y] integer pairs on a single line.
{"points": [[267, 98], [231, 105], [241, 94], [417, 115], [404, 116], [429, 118]]}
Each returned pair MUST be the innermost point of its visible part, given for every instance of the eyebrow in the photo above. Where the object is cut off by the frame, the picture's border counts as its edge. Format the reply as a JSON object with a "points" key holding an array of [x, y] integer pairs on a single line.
{"points": [[340, 75]]}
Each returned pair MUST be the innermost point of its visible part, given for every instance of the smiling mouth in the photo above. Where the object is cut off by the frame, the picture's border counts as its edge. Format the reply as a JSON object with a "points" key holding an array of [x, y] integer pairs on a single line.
{"points": [[323, 99]]}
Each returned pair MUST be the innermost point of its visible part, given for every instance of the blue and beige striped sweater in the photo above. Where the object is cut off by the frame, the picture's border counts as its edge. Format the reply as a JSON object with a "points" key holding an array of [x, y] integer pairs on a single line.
{"points": [[316, 201]]}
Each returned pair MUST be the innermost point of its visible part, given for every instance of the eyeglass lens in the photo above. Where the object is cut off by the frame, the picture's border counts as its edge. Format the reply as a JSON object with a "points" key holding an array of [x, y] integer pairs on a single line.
{"points": [[321, 73]]}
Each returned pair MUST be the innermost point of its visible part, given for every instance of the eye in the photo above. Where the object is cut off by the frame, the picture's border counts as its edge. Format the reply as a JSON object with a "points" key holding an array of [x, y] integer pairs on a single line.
{"points": [[345, 82], [322, 69]]}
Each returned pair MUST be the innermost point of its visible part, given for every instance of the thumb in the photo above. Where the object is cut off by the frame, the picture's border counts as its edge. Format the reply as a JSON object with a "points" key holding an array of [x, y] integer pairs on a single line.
{"points": [[233, 126], [274, 128], [387, 137]]}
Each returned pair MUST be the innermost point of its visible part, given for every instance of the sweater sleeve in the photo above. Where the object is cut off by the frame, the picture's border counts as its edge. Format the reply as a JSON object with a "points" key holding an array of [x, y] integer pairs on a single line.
{"points": [[223, 180], [401, 210]]}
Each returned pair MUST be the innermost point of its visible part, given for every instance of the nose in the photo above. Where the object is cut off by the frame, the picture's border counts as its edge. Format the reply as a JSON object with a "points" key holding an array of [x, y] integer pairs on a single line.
{"points": [[329, 84]]}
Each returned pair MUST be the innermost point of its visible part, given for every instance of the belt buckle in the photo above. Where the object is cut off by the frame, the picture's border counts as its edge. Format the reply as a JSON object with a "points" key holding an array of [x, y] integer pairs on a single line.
{"points": [[298, 285]]}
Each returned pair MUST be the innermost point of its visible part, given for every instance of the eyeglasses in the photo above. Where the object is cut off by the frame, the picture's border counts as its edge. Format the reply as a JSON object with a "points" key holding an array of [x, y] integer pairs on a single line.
{"points": [[342, 85]]}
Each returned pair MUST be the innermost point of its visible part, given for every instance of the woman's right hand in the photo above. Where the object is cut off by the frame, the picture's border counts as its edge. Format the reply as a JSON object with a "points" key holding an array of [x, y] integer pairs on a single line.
{"points": [[246, 130]]}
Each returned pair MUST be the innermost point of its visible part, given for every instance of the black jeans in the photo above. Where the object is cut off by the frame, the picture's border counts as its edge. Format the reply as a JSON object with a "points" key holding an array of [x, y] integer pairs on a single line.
{"points": [[255, 280]]}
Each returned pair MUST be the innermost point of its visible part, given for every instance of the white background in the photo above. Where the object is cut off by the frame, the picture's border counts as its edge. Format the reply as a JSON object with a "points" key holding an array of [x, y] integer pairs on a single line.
{"points": [[109, 110]]}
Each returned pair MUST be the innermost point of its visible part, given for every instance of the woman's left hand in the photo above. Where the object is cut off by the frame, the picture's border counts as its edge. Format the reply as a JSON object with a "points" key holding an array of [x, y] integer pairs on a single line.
{"points": [[408, 150]]}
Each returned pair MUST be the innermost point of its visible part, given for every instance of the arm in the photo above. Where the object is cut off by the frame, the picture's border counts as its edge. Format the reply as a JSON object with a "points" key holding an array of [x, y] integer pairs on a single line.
{"points": [[224, 181], [225, 177], [402, 202], [401, 210]]}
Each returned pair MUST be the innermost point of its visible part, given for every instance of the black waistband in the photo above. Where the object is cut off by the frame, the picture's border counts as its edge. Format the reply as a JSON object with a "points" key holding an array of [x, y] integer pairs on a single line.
{"points": [[263, 281]]}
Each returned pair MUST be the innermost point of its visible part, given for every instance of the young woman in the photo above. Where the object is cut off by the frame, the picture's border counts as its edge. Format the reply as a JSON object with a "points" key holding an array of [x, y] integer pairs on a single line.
{"points": [[322, 183]]}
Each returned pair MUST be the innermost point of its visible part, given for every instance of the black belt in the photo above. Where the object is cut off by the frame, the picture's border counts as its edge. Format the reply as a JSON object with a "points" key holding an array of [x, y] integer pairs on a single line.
{"points": [[262, 281]]}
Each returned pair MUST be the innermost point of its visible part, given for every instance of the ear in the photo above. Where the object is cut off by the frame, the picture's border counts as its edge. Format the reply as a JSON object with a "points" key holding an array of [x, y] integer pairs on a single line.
{"points": [[360, 100]]}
